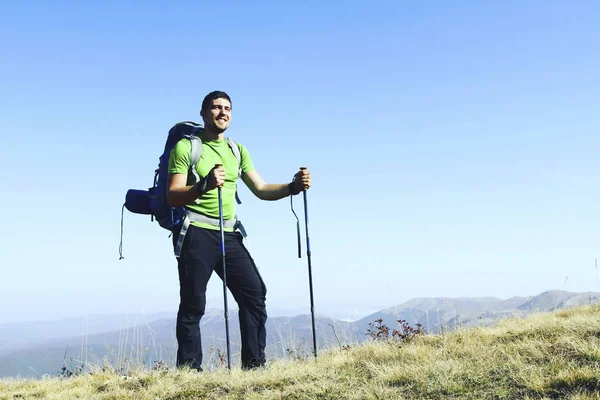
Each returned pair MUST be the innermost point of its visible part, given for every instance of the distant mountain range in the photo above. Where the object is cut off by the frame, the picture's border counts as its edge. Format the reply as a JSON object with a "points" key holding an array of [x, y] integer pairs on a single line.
{"points": [[34, 349], [22, 335]]}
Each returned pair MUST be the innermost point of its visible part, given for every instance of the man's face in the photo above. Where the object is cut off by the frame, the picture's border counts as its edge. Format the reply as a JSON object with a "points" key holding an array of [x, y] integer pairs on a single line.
{"points": [[217, 115]]}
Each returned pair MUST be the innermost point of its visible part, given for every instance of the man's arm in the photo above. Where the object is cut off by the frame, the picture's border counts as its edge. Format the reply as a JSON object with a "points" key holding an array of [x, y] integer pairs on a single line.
{"points": [[180, 194], [275, 191]]}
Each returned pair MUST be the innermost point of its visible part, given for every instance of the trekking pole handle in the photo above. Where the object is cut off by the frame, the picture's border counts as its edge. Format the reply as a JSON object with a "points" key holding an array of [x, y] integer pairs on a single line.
{"points": [[302, 169]]}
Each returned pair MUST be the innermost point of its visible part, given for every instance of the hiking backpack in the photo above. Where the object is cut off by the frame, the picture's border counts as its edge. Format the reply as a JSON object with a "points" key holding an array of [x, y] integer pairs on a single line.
{"points": [[154, 201]]}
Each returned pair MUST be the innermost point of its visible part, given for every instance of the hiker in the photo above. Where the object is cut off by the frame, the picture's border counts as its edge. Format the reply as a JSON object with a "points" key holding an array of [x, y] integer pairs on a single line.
{"points": [[200, 252]]}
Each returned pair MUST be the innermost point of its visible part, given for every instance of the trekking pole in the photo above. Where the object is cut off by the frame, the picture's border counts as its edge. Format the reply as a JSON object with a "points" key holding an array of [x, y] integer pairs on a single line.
{"points": [[224, 271], [312, 303]]}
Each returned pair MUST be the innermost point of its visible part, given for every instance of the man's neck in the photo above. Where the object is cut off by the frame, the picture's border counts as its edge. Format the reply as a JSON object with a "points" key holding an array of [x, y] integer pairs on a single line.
{"points": [[210, 135]]}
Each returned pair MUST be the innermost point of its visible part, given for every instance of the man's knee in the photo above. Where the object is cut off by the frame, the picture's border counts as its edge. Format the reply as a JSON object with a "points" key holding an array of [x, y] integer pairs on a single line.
{"points": [[256, 306], [194, 305], [258, 300]]}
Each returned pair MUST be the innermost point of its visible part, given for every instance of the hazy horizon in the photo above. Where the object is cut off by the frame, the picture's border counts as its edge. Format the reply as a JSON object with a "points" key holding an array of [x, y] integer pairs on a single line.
{"points": [[215, 306]]}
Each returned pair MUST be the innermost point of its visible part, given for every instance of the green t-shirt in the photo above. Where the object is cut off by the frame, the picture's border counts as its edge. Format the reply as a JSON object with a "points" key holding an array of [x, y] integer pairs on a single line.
{"points": [[213, 152]]}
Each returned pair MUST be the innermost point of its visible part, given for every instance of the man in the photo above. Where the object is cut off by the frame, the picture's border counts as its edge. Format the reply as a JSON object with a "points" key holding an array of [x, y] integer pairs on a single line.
{"points": [[201, 250]]}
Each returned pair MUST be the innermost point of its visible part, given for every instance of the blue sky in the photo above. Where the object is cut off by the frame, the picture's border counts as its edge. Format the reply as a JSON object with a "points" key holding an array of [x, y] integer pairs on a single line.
{"points": [[453, 146]]}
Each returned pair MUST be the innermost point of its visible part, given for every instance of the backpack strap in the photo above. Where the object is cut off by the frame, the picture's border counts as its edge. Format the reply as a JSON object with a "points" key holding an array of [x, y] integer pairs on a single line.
{"points": [[236, 152], [191, 216], [196, 143], [195, 153]]}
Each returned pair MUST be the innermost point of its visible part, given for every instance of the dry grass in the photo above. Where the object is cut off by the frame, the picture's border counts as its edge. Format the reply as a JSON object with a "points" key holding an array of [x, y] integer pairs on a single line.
{"points": [[545, 356]]}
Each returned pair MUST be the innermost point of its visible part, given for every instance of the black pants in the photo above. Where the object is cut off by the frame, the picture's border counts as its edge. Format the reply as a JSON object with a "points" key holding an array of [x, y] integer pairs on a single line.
{"points": [[200, 256]]}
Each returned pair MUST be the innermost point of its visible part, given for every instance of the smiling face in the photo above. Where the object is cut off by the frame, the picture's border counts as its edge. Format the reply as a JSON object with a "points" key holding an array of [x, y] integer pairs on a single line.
{"points": [[217, 115]]}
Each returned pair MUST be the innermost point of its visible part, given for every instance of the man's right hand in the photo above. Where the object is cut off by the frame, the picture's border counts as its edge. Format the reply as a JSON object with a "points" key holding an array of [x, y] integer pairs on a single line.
{"points": [[216, 177]]}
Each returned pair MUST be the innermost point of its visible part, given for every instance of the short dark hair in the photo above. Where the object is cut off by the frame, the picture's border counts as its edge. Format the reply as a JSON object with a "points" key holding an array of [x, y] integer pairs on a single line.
{"points": [[217, 94]]}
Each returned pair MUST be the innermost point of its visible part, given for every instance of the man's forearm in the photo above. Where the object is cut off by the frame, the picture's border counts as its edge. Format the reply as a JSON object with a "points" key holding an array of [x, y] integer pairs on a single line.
{"points": [[180, 196], [274, 191]]}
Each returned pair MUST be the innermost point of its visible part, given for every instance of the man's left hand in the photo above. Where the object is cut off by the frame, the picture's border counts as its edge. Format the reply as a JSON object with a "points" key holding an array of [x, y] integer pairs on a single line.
{"points": [[302, 180]]}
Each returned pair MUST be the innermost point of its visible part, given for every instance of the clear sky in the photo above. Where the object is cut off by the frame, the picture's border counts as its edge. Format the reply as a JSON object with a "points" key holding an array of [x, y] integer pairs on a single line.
{"points": [[454, 147]]}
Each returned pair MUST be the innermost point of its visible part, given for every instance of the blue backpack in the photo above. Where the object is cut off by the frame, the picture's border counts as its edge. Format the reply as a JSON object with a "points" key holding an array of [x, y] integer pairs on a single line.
{"points": [[154, 201]]}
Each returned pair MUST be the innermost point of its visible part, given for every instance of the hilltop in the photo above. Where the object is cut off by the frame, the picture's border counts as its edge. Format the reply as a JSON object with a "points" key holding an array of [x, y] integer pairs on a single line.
{"points": [[545, 355]]}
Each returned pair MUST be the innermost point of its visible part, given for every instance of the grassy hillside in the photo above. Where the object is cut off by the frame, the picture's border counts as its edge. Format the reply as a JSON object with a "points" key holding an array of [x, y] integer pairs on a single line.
{"points": [[552, 355], [147, 343]]}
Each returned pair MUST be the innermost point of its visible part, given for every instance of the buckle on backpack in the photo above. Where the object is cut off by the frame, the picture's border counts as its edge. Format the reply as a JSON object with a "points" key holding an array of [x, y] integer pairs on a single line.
{"points": [[239, 227]]}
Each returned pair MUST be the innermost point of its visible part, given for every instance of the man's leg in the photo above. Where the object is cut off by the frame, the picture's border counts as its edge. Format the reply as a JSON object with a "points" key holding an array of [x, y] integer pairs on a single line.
{"points": [[199, 255], [249, 291]]}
